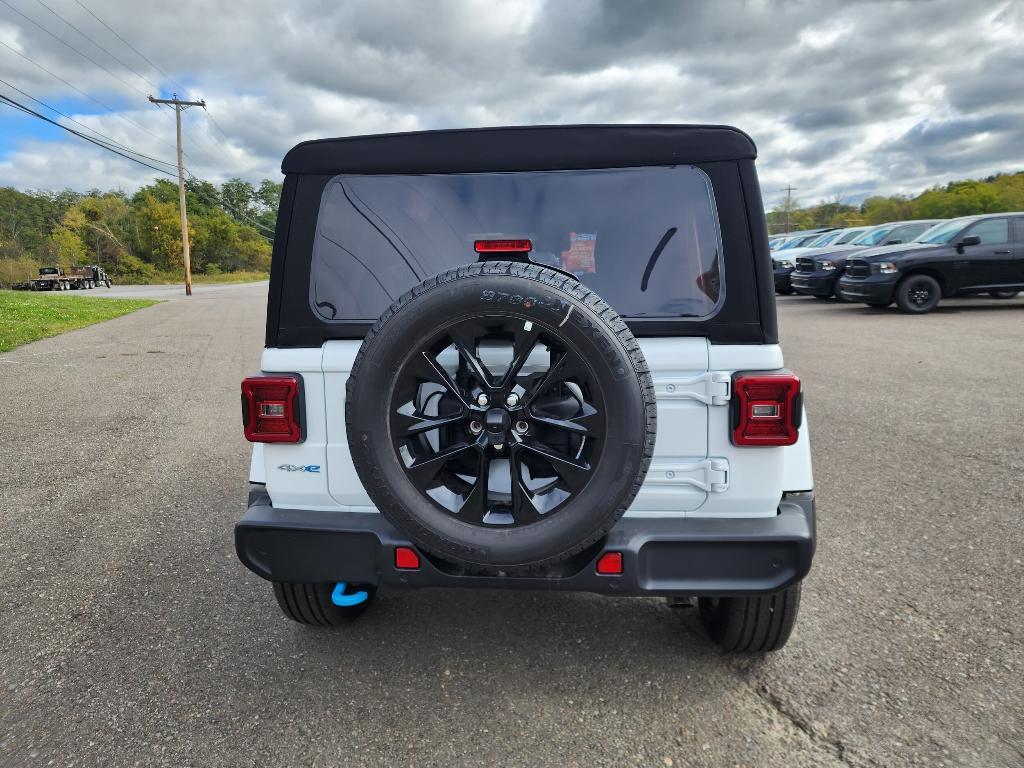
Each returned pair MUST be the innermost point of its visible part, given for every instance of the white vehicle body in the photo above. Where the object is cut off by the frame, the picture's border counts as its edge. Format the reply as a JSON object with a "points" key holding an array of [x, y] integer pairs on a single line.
{"points": [[696, 471]]}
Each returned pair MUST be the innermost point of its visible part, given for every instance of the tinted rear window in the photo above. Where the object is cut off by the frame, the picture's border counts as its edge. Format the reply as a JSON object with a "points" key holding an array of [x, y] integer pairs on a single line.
{"points": [[646, 239]]}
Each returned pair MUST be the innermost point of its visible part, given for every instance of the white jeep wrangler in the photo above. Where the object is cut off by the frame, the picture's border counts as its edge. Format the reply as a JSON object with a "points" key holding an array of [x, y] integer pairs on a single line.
{"points": [[472, 339]]}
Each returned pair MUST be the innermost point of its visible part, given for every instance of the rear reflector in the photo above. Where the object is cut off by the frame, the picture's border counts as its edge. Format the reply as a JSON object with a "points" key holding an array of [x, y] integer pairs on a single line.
{"points": [[766, 409], [610, 564], [271, 409], [406, 559], [503, 246]]}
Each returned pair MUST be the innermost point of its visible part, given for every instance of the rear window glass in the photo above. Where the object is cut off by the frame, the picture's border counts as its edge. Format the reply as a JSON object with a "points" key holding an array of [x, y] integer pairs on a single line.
{"points": [[646, 239]]}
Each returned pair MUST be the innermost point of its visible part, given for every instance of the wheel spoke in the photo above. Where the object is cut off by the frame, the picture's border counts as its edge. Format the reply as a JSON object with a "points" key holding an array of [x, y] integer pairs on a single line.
{"points": [[523, 509], [423, 471], [559, 370], [587, 424], [426, 367], [573, 472], [521, 349], [475, 507], [409, 424], [465, 340]]}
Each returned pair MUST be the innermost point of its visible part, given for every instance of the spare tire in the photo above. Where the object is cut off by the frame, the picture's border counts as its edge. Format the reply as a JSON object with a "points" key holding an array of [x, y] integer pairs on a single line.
{"points": [[501, 414]]}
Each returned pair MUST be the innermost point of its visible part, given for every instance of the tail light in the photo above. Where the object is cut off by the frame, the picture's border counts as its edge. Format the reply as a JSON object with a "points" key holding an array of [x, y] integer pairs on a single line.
{"points": [[767, 409], [272, 409], [502, 246]]}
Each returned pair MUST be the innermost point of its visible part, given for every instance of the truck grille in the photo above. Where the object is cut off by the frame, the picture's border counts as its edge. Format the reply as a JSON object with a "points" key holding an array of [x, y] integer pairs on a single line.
{"points": [[803, 264], [858, 268]]}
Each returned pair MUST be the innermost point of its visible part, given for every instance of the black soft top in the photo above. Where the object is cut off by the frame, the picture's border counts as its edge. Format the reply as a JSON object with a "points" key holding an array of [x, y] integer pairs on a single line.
{"points": [[521, 148]]}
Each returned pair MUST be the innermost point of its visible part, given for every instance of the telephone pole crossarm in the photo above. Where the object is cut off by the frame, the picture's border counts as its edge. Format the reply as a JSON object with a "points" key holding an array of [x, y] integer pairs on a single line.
{"points": [[179, 107]]}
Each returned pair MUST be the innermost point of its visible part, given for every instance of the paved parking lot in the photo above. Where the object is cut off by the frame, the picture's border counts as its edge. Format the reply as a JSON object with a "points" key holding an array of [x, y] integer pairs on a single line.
{"points": [[130, 634]]}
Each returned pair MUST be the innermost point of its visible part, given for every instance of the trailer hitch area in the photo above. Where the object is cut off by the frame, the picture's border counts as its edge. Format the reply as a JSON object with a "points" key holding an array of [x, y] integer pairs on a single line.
{"points": [[339, 598]]}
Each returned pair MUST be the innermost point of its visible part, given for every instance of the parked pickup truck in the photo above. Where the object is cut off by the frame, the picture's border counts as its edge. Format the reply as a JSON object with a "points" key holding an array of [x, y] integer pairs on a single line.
{"points": [[56, 279], [817, 272], [971, 255]]}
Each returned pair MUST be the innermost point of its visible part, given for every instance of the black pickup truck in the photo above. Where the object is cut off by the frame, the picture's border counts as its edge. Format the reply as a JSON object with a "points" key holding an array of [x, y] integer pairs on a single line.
{"points": [[816, 274], [965, 256]]}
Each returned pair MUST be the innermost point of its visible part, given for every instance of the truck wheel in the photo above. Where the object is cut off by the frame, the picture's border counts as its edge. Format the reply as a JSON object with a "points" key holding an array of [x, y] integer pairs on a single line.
{"points": [[106, 283], [312, 603], [751, 624], [1003, 294], [501, 415], [917, 294]]}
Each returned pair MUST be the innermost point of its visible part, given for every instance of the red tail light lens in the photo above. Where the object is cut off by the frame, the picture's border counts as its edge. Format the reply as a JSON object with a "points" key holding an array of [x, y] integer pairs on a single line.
{"points": [[502, 246], [610, 564], [406, 559], [767, 409], [272, 408]]}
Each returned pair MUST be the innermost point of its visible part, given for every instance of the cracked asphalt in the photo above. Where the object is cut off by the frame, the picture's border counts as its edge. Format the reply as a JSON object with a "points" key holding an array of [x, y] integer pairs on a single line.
{"points": [[131, 635]]}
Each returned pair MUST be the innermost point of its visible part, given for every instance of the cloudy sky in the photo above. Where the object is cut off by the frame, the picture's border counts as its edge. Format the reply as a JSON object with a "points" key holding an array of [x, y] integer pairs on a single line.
{"points": [[842, 98]]}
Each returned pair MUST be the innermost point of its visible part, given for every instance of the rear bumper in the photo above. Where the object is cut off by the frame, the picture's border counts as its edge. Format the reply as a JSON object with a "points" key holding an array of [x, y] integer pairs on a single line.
{"points": [[814, 283], [874, 289], [684, 556]]}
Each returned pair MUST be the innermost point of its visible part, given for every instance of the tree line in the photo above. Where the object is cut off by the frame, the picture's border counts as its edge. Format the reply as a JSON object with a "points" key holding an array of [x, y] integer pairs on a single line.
{"points": [[995, 194], [137, 238]]}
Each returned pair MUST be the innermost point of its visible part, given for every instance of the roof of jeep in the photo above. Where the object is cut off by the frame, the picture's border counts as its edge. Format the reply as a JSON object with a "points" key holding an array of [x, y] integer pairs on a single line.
{"points": [[521, 148]]}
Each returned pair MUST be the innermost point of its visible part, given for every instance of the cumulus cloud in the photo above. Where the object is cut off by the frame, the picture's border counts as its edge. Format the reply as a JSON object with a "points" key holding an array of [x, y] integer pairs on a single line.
{"points": [[842, 98]]}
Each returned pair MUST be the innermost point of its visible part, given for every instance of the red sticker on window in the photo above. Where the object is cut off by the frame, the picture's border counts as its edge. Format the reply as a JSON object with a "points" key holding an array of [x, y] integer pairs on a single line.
{"points": [[580, 256]]}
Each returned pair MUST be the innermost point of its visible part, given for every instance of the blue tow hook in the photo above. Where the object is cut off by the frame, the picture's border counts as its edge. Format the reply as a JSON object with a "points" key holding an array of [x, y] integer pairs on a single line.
{"points": [[338, 596]]}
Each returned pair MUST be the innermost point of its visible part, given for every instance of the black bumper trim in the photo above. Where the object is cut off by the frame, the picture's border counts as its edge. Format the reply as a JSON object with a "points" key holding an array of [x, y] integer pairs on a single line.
{"points": [[813, 285], [661, 556], [866, 290]]}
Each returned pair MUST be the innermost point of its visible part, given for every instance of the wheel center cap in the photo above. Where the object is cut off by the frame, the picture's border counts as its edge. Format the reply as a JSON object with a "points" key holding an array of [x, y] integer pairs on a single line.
{"points": [[497, 422]]}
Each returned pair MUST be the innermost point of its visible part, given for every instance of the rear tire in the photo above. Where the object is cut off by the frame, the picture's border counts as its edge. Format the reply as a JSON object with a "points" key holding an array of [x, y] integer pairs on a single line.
{"points": [[918, 294], [757, 624], [311, 604], [1003, 294]]}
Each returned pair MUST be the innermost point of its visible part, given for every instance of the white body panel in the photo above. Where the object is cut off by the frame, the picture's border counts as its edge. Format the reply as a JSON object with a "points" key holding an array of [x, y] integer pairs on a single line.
{"points": [[695, 471]]}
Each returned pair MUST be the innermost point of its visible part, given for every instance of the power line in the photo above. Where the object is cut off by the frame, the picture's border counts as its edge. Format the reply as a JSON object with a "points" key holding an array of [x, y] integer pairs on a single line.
{"points": [[63, 42], [27, 110], [140, 53], [216, 125], [79, 31], [107, 139], [93, 99]]}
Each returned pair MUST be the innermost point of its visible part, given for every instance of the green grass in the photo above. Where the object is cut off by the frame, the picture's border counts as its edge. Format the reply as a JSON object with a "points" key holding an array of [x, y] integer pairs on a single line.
{"points": [[26, 316], [174, 278]]}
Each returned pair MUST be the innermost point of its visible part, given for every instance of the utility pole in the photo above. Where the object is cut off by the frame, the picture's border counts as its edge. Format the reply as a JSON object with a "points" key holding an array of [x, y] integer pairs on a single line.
{"points": [[179, 107], [789, 201]]}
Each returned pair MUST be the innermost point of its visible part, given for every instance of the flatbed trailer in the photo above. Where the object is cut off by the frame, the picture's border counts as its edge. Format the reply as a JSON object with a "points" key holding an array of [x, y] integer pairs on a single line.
{"points": [[80, 278]]}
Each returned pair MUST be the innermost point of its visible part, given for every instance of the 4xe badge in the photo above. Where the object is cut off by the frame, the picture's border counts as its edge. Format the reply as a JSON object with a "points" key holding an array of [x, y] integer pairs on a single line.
{"points": [[297, 468]]}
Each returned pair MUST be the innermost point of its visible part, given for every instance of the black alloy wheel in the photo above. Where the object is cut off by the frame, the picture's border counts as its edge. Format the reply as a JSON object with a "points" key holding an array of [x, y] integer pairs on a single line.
{"points": [[918, 294], [497, 442]]}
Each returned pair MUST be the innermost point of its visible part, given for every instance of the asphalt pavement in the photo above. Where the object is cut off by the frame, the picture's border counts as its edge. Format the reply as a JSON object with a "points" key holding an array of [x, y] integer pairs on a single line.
{"points": [[131, 635]]}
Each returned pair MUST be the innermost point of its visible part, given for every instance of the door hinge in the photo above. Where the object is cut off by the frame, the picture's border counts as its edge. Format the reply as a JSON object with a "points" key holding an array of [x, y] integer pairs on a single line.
{"points": [[709, 475], [711, 388]]}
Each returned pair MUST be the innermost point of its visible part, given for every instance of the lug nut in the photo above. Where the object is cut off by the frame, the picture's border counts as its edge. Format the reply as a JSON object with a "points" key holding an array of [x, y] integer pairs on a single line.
{"points": [[476, 427], [521, 427], [499, 446], [512, 400], [482, 399]]}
